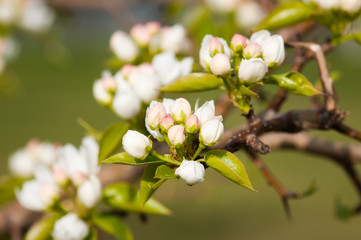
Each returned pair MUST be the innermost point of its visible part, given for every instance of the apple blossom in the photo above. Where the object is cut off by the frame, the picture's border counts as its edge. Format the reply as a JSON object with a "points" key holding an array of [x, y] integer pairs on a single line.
{"points": [[89, 192], [136, 144], [155, 115], [70, 227], [220, 64], [176, 135], [123, 46], [252, 70], [192, 172], [181, 109], [211, 131]]}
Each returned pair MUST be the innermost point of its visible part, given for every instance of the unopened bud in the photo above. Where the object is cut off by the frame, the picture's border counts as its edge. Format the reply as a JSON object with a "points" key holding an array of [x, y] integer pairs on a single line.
{"points": [[140, 34], [192, 172], [252, 70], [220, 64], [192, 124], [136, 144], [181, 109], [215, 46], [273, 50], [211, 131], [126, 70], [166, 123], [155, 115], [153, 27], [253, 50], [109, 83], [60, 176], [176, 135], [238, 42]]}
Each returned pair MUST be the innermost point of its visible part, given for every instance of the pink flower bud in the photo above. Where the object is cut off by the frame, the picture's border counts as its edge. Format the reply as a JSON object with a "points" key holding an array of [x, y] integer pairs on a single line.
{"points": [[181, 109], [253, 50], [60, 176], [238, 42], [126, 70], [192, 124], [215, 46], [176, 135], [166, 122], [155, 115], [153, 27], [109, 83], [220, 64], [141, 34]]}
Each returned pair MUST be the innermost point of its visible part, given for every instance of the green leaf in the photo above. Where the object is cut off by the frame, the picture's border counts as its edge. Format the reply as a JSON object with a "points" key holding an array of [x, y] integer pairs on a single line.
{"points": [[148, 181], [293, 82], [124, 158], [113, 225], [7, 186], [229, 166], [194, 82], [342, 211], [245, 91], [111, 139], [287, 14], [125, 197], [164, 172], [312, 188], [41, 230]]}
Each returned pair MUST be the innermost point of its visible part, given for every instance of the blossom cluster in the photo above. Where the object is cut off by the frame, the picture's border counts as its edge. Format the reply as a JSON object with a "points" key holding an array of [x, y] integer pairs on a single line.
{"points": [[151, 38], [172, 121], [133, 85], [30, 15], [251, 57], [350, 6], [60, 171]]}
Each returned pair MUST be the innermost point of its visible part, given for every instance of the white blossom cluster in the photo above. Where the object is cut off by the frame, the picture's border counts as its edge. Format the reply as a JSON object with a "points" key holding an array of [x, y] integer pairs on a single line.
{"points": [[248, 13], [350, 6], [256, 55], [133, 85], [30, 15], [173, 121], [59, 171], [151, 38]]}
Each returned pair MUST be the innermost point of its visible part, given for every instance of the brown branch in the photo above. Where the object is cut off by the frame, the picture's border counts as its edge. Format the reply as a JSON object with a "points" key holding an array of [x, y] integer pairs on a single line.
{"points": [[348, 131]]}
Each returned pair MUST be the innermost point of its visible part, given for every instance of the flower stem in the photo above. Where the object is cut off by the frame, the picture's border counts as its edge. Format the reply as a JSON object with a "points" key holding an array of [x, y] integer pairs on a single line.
{"points": [[164, 158], [201, 147]]}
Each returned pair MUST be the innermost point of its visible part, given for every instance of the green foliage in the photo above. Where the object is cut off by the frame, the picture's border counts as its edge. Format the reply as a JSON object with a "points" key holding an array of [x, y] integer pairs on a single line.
{"points": [[293, 82], [41, 230], [113, 225], [148, 183], [194, 82], [111, 139], [312, 188], [342, 211], [7, 186], [164, 172], [229, 166], [124, 158], [125, 197]]}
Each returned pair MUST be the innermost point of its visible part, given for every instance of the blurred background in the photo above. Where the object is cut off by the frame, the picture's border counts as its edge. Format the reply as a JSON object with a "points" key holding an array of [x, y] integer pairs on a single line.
{"points": [[50, 87]]}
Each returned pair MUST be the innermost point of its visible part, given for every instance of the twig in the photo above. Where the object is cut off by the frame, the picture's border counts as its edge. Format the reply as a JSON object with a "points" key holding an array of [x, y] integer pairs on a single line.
{"points": [[348, 131]]}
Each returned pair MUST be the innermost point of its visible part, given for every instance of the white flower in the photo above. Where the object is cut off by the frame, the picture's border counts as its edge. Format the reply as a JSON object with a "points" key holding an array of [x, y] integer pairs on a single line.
{"points": [[89, 192], [249, 14], [253, 50], [328, 4], [36, 16], [205, 54], [100, 93], [205, 112], [181, 109], [136, 144], [260, 36], [222, 5], [123, 46], [192, 172], [351, 6], [273, 50], [126, 104], [155, 115], [211, 131], [173, 38], [70, 227], [169, 68], [220, 64], [176, 135], [8, 11], [21, 164], [141, 34], [252, 70]]}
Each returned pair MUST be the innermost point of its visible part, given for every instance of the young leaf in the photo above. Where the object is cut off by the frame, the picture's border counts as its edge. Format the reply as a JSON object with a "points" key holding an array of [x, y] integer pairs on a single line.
{"points": [[41, 230], [164, 172], [111, 139], [194, 82], [287, 14], [229, 166], [113, 225], [293, 82], [124, 158], [125, 197], [148, 181], [342, 211]]}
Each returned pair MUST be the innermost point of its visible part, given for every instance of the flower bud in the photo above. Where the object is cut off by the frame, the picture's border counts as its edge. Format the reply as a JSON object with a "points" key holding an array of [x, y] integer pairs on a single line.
{"points": [[260, 36], [192, 124], [140, 34], [173, 38], [351, 6], [109, 83], [21, 164], [136, 144], [153, 27], [89, 192], [238, 42], [70, 226], [100, 93], [249, 14], [126, 104], [126, 70], [220, 64], [253, 50], [176, 135], [215, 46], [252, 70], [60, 176], [155, 115], [123, 46], [211, 131], [49, 194], [205, 112], [166, 122], [192, 172], [273, 50], [181, 109]]}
